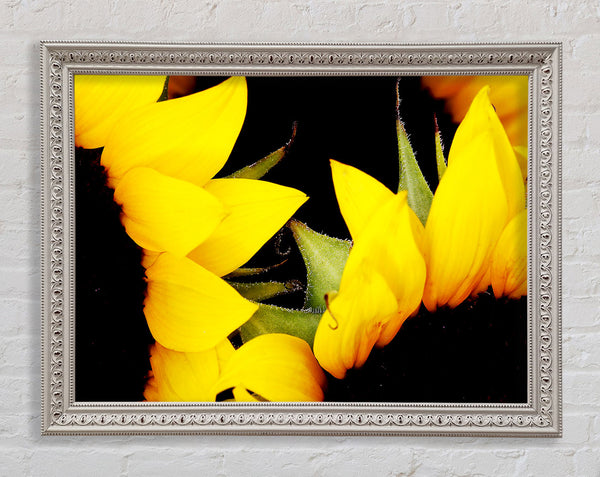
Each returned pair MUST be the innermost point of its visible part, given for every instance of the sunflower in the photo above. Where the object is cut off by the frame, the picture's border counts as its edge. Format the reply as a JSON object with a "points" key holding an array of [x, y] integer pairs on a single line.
{"points": [[474, 236], [160, 158]]}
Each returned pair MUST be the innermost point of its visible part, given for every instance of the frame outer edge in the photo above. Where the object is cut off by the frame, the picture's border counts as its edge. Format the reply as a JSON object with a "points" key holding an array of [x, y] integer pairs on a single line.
{"points": [[60, 416]]}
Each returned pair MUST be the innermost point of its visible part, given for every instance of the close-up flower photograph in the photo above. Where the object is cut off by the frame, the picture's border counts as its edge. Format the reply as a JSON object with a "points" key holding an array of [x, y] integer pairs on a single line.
{"points": [[335, 238]]}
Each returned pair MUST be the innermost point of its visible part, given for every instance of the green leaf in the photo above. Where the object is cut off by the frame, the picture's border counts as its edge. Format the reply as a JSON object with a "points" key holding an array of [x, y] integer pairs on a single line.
{"points": [[439, 151], [324, 258], [411, 177], [264, 165], [273, 319], [260, 291]]}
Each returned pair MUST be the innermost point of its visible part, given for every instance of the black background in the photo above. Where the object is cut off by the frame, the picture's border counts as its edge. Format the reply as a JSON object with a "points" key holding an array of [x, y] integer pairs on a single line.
{"points": [[474, 353]]}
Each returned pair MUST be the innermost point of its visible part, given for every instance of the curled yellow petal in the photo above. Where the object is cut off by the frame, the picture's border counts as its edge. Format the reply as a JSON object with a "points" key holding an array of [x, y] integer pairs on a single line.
{"points": [[480, 192], [358, 194], [509, 261], [189, 308], [256, 211], [189, 138], [185, 377], [350, 327], [391, 245], [382, 284], [101, 100], [164, 214], [277, 367]]}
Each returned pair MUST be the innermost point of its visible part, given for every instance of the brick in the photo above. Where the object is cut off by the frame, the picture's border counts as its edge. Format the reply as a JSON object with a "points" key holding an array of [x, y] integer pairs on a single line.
{"points": [[38, 16], [432, 16], [378, 17], [187, 461], [17, 389], [25, 22], [19, 354], [587, 462], [580, 390], [13, 310], [18, 167], [16, 246], [580, 351], [76, 461], [18, 204], [472, 462], [576, 428], [581, 312], [15, 463], [581, 203], [581, 279], [18, 282], [548, 462], [483, 16], [581, 238], [583, 49], [328, 15]]}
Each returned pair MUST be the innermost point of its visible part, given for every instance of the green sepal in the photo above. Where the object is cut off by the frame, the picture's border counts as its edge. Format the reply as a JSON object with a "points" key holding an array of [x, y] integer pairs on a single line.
{"points": [[325, 258], [411, 177], [250, 271], [260, 291], [264, 165], [165, 92], [439, 151], [274, 319]]}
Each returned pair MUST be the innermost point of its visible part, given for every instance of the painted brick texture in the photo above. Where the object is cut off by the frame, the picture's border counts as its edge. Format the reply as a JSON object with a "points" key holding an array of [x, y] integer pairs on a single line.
{"points": [[25, 22]]}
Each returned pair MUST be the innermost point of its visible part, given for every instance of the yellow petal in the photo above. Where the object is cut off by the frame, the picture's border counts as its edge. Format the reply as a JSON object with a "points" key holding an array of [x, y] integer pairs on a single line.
{"points": [[164, 214], [277, 367], [482, 122], [521, 155], [391, 244], [358, 194], [509, 95], [189, 138], [189, 308], [382, 284], [149, 257], [480, 191], [351, 325], [184, 377], [242, 395], [101, 100], [509, 262], [257, 210]]}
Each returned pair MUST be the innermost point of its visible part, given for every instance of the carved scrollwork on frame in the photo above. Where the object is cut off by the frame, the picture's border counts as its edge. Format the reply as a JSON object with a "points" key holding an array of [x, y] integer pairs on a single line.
{"points": [[541, 415], [294, 56]]}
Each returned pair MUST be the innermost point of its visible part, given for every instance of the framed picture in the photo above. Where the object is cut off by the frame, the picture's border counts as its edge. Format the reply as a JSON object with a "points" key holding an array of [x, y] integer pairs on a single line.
{"points": [[301, 239]]}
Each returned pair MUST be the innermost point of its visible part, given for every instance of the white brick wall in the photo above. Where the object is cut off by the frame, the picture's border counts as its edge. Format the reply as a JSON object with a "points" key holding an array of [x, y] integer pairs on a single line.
{"points": [[25, 22]]}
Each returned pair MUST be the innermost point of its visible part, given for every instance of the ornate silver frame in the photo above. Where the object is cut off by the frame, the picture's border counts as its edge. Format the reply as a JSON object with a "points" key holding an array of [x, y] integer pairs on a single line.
{"points": [[540, 416]]}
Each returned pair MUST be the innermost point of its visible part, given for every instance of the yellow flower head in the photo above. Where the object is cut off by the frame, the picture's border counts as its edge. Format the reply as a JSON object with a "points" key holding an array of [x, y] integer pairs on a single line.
{"points": [[160, 158], [382, 283], [480, 192]]}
